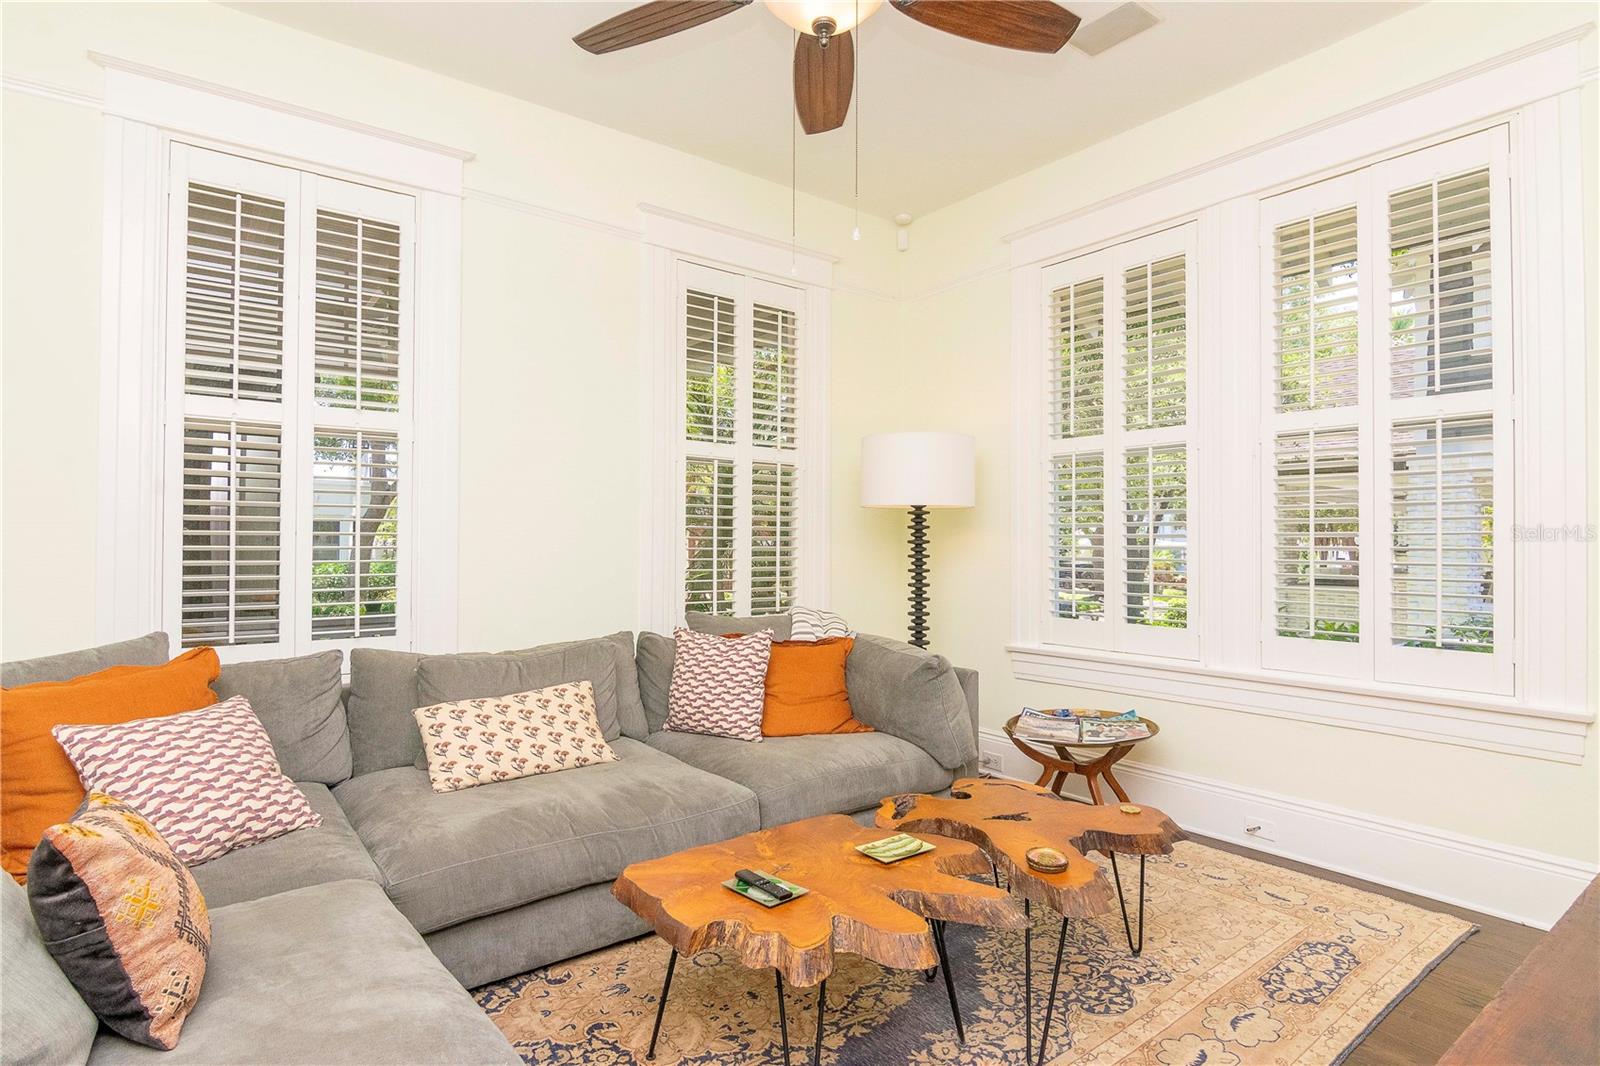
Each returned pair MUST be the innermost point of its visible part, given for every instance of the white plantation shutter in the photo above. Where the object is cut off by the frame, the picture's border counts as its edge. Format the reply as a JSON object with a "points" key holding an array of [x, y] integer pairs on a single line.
{"points": [[355, 512], [773, 539], [1076, 513], [1155, 344], [1316, 519], [1128, 352], [1076, 359], [1387, 444], [740, 435], [232, 539], [289, 342], [1156, 536]]}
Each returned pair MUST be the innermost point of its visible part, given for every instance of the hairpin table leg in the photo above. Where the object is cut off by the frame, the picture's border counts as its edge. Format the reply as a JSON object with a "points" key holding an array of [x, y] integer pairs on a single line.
{"points": [[1050, 1004], [949, 981], [1027, 975], [1138, 947], [661, 1007], [783, 1019], [822, 1008]]}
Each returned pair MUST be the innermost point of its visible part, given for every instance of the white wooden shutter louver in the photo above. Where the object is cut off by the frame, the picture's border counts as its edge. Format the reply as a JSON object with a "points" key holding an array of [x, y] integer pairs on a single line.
{"points": [[1156, 536], [1316, 524], [354, 523], [1443, 537], [709, 535], [1076, 357], [1317, 313], [710, 367], [357, 313], [1155, 344], [231, 542], [1076, 577], [1440, 312], [773, 538], [774, 384], [233, 297]]}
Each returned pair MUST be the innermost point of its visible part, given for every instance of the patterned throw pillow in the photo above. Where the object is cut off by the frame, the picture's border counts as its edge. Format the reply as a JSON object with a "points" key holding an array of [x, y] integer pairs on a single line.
{"points": [[718, 684], [123, 918], [208, 780], [808, 624], [501, 738]]}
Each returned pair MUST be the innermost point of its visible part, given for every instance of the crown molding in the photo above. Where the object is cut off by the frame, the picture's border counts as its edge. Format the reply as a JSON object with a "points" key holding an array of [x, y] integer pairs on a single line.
{"points": [[47, 91], [128, 66]]}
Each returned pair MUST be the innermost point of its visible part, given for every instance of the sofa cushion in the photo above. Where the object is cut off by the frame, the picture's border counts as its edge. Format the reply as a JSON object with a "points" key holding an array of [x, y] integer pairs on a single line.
{"points": [[298, 702], [148, 650], [384, 692], [451, 678], [327, 973], [329, 852], [799, 777], [896, 688], [700, 622], [656, 655], [43, 1020], [447, 858]]}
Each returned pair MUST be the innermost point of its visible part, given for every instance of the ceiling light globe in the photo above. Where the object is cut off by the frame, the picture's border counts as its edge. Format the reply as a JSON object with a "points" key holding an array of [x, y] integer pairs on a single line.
{"points": [[803, 14]]}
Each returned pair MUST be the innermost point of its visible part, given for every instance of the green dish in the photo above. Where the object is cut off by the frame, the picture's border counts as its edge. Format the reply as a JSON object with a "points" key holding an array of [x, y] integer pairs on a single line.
{"points": [[893, 849], [733, 884]]}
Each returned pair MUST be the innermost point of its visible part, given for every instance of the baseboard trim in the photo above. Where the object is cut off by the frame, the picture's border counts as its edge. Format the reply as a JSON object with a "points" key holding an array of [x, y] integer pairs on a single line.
{"points": [[1519, 884]]}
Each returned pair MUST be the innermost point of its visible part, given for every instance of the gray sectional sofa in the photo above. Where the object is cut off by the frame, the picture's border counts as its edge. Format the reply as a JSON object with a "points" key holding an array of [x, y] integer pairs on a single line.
{"points": [[322, 938]]}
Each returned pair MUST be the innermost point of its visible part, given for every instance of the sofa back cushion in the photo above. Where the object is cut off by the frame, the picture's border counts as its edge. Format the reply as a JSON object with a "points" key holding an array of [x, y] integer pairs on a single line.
{"points": [[780, 624], [38, 786], [654, 668], [450, 678], [385, 689], [45, 1021], [148, 650], [916, 696], [298, 702]]}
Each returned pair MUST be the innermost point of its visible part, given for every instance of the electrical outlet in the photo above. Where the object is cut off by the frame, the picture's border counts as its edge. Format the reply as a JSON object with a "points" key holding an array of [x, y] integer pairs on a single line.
{"points": [[989, 761], [1260, 828]]}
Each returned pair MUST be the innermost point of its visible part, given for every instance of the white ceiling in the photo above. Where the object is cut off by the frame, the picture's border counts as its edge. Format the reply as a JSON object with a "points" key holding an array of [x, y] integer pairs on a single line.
{"points": [[941, 117]]}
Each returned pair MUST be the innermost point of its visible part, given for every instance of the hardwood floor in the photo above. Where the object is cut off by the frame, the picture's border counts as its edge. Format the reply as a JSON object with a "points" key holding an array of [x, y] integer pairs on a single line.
{"points": [[1424, 1024]]}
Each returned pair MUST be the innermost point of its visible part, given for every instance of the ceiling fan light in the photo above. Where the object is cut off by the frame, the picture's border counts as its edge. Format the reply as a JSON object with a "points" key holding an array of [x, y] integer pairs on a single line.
{"points": [[803, 14]]}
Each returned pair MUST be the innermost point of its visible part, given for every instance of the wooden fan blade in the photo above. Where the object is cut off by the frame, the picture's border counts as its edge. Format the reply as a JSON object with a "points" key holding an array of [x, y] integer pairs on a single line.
{"points": [[822, 78], [651, 22], [1026, 25]]}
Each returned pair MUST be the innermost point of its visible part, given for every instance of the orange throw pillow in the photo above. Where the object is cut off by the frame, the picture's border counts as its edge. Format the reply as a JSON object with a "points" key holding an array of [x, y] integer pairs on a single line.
{"points": [[38, 786], [805, 689]]}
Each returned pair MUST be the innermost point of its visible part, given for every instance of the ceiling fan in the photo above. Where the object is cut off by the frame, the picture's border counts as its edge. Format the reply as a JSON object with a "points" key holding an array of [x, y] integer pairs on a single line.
{"points": [[824, 57]]}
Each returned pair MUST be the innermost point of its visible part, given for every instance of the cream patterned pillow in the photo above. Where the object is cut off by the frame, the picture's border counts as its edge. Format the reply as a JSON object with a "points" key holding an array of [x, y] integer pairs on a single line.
{"points": [[501, 738]]}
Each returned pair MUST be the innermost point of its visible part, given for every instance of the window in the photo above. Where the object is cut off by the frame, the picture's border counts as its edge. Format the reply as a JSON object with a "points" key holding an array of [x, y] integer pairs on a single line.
{"points": [[1387, 445], [740, 424], [1118, 442], [288, 374]]}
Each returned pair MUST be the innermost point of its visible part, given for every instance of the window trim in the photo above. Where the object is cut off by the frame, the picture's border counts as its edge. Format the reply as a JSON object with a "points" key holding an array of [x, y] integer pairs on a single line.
{"points": [[1533, 93], [672, 244], [147, 110]]}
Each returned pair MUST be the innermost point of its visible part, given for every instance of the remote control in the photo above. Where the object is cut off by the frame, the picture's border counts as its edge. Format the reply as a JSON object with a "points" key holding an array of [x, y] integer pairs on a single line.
{"points": [[765, 884]]}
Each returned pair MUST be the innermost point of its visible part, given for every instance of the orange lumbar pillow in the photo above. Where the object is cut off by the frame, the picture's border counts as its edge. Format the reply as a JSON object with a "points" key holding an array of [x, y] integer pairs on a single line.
{"points": [[805, 689], [38, 786]]}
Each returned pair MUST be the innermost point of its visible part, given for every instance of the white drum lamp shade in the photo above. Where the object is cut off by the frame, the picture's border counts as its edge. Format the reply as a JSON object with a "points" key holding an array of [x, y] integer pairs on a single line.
{"points": [[918, 470]]}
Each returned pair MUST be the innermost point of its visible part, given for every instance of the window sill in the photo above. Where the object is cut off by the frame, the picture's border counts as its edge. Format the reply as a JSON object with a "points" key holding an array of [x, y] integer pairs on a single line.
{"points": [[1501, 725]]}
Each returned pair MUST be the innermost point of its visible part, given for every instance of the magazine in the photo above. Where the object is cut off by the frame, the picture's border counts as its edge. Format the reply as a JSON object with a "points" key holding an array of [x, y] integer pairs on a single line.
{"points": [[1118, 730], [1050, 727]]}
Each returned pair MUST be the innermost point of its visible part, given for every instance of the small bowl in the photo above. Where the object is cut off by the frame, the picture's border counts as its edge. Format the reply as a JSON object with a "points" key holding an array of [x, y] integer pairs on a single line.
{"points": [[1046, 860]]}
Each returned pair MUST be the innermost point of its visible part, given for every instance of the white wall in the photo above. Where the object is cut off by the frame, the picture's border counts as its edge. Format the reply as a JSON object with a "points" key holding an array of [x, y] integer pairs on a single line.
{"points": [[550, 306], [955, 359]]}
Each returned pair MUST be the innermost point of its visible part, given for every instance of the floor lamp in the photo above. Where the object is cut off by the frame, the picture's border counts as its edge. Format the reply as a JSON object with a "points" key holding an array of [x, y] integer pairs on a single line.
{"points": [[919, 471]]}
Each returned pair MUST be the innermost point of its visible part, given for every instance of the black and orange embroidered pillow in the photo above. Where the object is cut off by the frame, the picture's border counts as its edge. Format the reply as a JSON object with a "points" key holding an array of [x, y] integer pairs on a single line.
{"points": [[123, 918]]}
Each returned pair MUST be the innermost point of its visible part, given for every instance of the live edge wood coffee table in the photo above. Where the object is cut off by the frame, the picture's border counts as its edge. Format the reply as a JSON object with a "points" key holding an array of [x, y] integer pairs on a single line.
{"points": [[853, 904], [1007, 819]]}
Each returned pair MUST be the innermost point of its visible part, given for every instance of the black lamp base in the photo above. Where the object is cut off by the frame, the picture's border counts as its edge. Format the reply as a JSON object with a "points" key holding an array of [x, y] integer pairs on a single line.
{"points": [[919, 577]]}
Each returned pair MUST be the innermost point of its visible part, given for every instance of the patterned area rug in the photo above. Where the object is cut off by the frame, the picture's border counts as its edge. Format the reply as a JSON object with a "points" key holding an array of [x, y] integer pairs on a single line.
{"points": [[1243, 963]]}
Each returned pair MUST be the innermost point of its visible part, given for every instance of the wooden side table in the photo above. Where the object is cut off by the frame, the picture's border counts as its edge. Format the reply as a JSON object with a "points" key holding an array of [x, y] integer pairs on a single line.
{"points": [[1059, 764]]}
